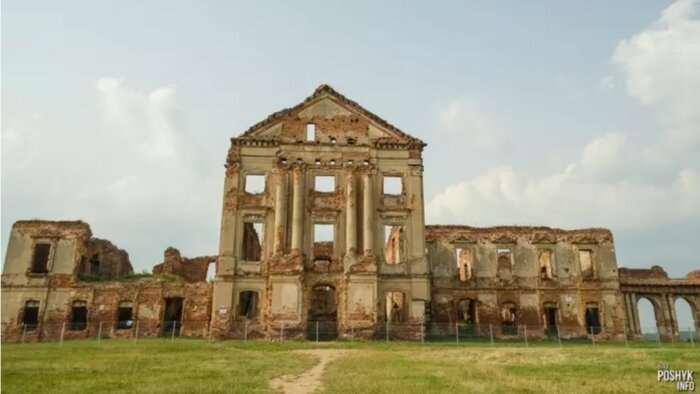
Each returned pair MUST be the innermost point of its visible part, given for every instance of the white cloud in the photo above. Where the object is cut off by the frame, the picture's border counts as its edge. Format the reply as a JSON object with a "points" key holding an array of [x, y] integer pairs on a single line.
{"points": [[661, 67], [607, 83], [618, 181], [145, 118], [135, 178], [580, 195], [464, 116]]}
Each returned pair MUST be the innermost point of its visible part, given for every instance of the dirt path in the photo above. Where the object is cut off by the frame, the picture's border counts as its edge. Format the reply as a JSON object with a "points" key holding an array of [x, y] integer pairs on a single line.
{"points": [[309, 381]]}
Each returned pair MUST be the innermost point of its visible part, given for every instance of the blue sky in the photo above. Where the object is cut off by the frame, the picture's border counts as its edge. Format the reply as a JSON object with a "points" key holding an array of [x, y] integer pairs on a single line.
{"points": [[567, 114]]}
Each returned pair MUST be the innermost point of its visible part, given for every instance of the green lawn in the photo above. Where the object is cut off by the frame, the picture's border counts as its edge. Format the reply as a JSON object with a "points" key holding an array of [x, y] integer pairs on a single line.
{"points": [[186, 366]]}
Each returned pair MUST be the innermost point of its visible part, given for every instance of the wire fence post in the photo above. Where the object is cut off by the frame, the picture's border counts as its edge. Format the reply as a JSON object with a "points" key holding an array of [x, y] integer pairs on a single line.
{"points": [[525, 332], [491, 333], [658, 336], [387, 330], [209, 331], [625, 332], [63, 330], [316, 330], [558, 336], [99, 333], [245, 331], [692, 334], [422, 333], [24, 331], [282, 333], [172, 333], [352, 332], [136, 332], [457, 332]]}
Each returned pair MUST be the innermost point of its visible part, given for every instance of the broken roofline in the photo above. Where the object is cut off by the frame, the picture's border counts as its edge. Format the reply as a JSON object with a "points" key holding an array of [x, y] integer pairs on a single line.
{"points": [[319, 92], [441, 231]]}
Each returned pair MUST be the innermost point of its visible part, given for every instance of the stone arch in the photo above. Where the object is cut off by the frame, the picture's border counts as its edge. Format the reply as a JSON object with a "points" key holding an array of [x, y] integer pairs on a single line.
{"points": [[467, 311], [509, 317], [644, 328], [395, 306], [682, 327]]}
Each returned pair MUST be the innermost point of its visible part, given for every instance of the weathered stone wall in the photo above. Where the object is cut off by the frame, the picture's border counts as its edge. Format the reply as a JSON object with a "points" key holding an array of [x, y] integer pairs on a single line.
{"points": [[357, 149], [103, 299], [507, 268], [190, 269], [654, 285]]}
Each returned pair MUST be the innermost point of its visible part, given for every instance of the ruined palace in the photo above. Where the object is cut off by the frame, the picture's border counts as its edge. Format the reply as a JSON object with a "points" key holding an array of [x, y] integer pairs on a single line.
{"points": [[323, 229]]}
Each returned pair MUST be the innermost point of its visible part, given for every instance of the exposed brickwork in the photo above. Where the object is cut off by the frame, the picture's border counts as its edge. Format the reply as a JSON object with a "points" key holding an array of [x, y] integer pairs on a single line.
{"points": [[190, 269]]}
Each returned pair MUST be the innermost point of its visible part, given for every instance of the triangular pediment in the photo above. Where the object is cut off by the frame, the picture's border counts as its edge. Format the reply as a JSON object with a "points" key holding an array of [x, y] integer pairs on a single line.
{"points": [[331, 110]]}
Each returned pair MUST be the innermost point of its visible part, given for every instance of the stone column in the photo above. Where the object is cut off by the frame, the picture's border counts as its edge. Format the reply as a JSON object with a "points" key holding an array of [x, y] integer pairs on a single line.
{"points": [[673, 322], [629, 315], [367, 214], [280, 212], [635, 312], [297, 210], [351, 212]]}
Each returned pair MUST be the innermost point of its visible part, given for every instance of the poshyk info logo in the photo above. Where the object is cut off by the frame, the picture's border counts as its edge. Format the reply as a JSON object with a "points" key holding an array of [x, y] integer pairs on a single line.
{"points": [[683, 378]]}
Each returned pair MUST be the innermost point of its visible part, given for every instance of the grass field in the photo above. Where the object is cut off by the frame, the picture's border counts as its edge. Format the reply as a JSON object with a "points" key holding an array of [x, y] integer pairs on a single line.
{"points": [[196, 366]]}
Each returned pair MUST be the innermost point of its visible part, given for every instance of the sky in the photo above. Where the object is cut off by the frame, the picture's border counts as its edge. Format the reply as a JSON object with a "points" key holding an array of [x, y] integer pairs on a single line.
{"points": [[564, 114]]}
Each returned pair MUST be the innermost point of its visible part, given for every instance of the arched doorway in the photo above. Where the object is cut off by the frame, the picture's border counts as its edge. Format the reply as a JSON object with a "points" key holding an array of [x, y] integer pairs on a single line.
{"points": [[466, 317], [648, 320], [550, 318], [684, 318], [323, 314]]}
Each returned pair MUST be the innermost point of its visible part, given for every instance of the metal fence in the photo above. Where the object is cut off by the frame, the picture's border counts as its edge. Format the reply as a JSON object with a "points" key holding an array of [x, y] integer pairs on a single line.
{"points": [[318, 331]]}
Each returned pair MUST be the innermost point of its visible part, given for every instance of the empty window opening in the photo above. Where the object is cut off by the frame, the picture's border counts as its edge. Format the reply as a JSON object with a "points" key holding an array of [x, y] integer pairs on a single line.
{"points": [[509, 316], [324, 238], [332, 162], [324, 183], [466, 311], [333, 140], [78, 316], [351, 162], [592, 318], [95, 265], [505, 257], [254, 184], [248, 304], [318, 162], [40, 263], [366, 162], [211, 272], [323, 306], [464, 263], [125, 318], [586, 259], [545, 258], [393, 185], [352, 141], [311, 132], [30, 316], [504, 263], [550, 318], [395, 306], [252, 241], [283, 160], [172, 318], [393, 243]]}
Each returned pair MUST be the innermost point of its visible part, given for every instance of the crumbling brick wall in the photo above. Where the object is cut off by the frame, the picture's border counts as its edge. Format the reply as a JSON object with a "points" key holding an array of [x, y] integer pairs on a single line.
{"points": [[190, 269], [102, 259]]}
